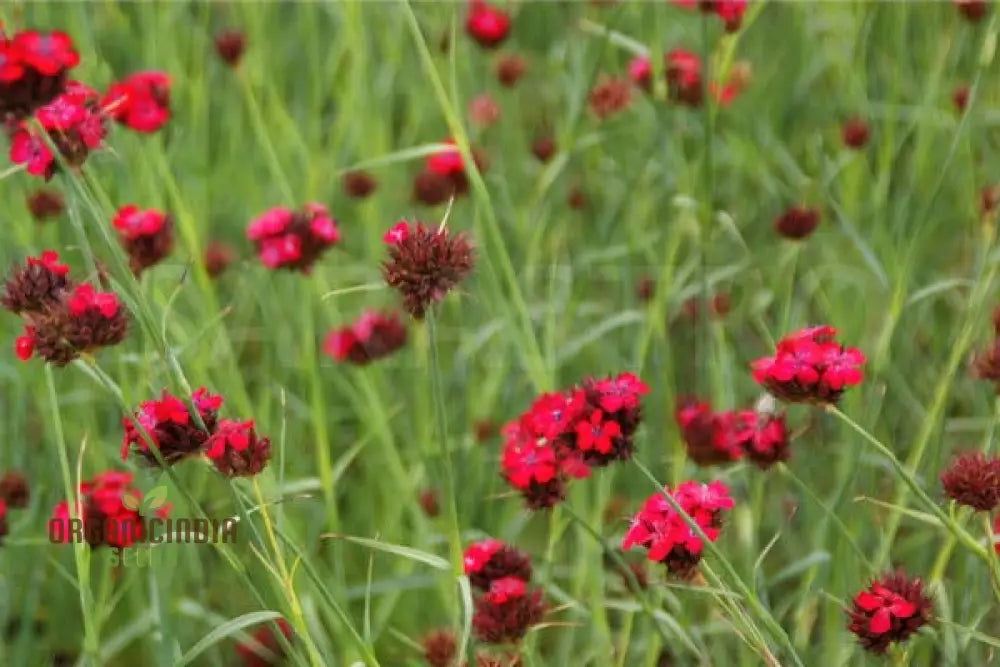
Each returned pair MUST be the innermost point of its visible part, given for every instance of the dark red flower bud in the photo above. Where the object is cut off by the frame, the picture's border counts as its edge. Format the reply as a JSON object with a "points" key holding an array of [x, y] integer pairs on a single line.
{"points": [[432, 189], [428, 501], [644, 288], [45, 203], [218, 256], [960, 98], [609, 97], [504, 616], [358, 184], [36, 285], [974, 480], [854, 132], [889, 610], [230, 44], [510, 68], [577, 199], [14, 489], [543, 148], [972, 10], [440, 648], [797, 222]]}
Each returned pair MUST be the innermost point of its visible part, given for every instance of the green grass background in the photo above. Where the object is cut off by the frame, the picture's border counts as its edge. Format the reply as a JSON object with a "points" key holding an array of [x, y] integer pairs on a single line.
{"points": [[901, 264]]}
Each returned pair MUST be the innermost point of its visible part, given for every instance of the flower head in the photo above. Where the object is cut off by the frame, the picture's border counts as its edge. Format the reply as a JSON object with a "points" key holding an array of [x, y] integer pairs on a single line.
{"points": [[889, 610], [218, 256], [373, 336], [146, 235], [973, 479], [35, 285], [489, 560], [809, 366], [483, 110], [510, 68], [170, 428], [797, 222], [14, 489], [44, 204], [424, 264], [106, 518], [486, 24], [33, 68], [229, 45], [140, 102], [684, 79], [237, 450], [358, 184], [609, 97], [507, 612], [854, 132], [293, 240], [972, 10], [439, 648]]}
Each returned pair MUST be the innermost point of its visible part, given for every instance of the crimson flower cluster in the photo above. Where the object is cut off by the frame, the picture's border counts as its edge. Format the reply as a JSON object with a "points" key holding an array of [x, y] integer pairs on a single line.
{"points": [[167, 424], [608, 97], [372, 336], [986, 362], [140, 102], [229, 45], [44, 204], [797, 222], [265, 650], [443, 175], [564, 434], [810, 366], [424, 264], [506, 609], [664, 533], [233, 446], [721, 437], [72, 121], [486, 24], [890, 610], [730, 12], [682, 69], [33, 68], [293, 240], [106, 520], [62, 320], [146, 235], [973, 10]]}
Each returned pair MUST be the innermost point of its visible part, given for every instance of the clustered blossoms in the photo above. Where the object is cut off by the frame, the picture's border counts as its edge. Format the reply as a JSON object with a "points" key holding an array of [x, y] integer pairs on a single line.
{"points": [[986, 362], [293, 240], [721, 437], [33, 67], [683, 72], [506, 609], [140, 102], [889, 610], [265, 650], [564, 434], [424, 263], [146, 235], [810, 366], [62, 320], [730, 12], [233, 446], [664, 533], [973, 480], [106, 519], [373, 336]]}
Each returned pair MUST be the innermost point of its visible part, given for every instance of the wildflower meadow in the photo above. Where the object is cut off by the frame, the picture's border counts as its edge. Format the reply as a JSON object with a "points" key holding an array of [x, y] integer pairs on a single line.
{"points": [[499, 333]]}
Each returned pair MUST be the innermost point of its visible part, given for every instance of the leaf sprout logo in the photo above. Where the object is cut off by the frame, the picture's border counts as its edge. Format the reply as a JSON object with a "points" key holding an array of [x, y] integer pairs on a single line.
{"points": [[140, 523]]}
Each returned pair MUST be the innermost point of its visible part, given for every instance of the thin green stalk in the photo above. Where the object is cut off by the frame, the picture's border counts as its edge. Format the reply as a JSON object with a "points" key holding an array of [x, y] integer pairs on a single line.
{"points": [[704, 339]]}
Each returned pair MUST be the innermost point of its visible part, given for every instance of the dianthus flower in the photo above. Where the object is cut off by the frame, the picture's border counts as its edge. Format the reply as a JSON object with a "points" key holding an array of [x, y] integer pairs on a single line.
{"points": [[486, 24], [293, 240], [170, 426], [140, 102], [972, 479], [236, 450], [229, 45], [424, 263], [33, 68], [889, 610], [106, 519], [146, 235], [797, 222], [488, 560], [373, 336], [810, 366], [507, 611]]}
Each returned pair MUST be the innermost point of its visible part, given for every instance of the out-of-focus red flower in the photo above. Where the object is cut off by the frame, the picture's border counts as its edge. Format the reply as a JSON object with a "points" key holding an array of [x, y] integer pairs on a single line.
{"points": [[439, 648], [854, 133], [683, 70], [510, 68], [797, 222], [665, 535], [146, 235], [543, 147], [236, 450], [293, 240], [729, 11], [266, 650], [44, 204], [810, 366], [609, 97], [483, 110], [890, 610], [972, 10], [218, 256], [33, 68], [140, 102], [428, 500], [373, 336], [577, 199], [960, 98], [358, 184], [14, 489], [230, 44], [489, 560], [486, 24]]}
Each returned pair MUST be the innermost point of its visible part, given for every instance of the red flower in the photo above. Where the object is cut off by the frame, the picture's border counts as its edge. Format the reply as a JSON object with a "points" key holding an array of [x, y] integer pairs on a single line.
{"points": [[448, 164], [543, 148], [960, 98], [507, 612], [730, 11], [489, 561], [596, 433], [85, 299], [640, 71], [35, 285], [44, 204], [769, 443], [293, 240], [229, 44], [48, 54], [504, 589], [439, 648], [854, 132], [358, 184], [373, 336], [609, 97], [664, 533], [424, 264], [972, 10], [486, 24], [147, 236], [33, 69], [483, 111], [169, 426], [14, 490], [141, 101], [973, 480], [106, 519], [265, 650], [797, 222], [810, 366], [683, 70], [510, 68], [218, 256], [236, 450], [889, 610], [24, 345]]}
